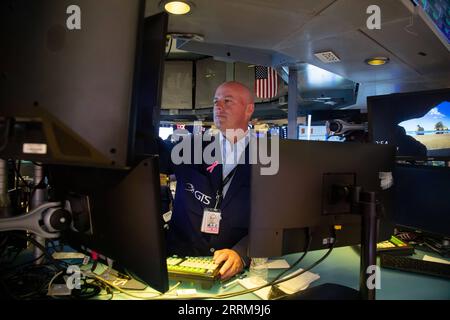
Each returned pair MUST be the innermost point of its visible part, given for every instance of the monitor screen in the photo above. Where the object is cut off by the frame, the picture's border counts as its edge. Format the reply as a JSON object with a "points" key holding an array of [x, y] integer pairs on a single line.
{"points": [[439, 13], [421, 198], [417, 123], [82, 87], [286, 206]]}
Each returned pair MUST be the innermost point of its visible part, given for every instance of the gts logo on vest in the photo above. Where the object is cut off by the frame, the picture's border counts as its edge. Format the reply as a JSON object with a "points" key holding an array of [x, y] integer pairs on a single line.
{"points": [[203, 198]]}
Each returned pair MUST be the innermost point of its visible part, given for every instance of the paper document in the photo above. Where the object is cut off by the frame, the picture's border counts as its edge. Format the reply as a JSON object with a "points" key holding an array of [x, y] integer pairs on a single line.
{"points": [[433, 259], [278, 264], [296, 284], [250, 283], [67, 255]]}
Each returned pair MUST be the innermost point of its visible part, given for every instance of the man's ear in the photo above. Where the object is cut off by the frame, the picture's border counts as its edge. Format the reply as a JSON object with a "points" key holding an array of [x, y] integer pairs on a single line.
{"points": [[249, 110]]}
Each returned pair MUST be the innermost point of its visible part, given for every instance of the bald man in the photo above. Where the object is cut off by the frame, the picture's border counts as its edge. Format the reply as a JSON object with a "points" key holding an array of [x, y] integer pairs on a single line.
{"points": [[233, 107], [220, 194]]}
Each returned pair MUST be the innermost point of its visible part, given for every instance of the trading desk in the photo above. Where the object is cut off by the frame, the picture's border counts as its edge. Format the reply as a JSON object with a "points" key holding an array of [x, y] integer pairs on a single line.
{"points": [[342, 267]]}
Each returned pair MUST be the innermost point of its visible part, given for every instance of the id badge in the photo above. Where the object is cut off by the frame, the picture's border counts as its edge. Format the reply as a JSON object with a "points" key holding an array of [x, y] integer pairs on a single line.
{"points": [[211, 221]]}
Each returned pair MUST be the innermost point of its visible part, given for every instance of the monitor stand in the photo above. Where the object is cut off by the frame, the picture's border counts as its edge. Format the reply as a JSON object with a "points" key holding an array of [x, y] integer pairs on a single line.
{"points": [[363, 203], [369, 223]]}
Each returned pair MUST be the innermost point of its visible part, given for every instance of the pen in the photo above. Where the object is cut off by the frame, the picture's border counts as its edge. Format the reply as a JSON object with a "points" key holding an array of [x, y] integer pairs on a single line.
{"points": [[230, 284]]}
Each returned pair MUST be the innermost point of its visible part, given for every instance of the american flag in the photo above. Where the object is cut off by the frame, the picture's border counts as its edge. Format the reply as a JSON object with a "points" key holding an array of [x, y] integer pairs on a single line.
{"points": [[266, 82]]}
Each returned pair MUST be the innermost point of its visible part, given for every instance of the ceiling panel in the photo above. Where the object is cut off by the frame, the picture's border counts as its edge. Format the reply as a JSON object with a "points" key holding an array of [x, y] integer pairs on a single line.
{"points": [[409, 37], [341, 17], [258, 24], [353, 48]]}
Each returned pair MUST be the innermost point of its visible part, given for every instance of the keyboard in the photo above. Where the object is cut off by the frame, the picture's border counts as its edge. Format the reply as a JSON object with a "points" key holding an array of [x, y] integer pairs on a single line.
{"points": [[194, 270], [395, 246], [415, 265]]}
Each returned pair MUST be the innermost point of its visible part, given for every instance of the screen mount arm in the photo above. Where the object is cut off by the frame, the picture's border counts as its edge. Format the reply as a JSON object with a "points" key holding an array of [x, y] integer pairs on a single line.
{"points": [[45, 221]]}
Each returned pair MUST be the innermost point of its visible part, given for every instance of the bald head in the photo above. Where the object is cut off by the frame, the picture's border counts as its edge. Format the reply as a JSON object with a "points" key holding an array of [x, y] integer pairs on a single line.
{"points": [[233, 106], [240, 89]]}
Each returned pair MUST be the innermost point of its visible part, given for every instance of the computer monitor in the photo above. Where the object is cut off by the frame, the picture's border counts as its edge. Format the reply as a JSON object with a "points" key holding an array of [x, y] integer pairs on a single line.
{"points": [[80, 93], [299, 199], [81, 81], [116, 214], [421, 199], [417, 123]]}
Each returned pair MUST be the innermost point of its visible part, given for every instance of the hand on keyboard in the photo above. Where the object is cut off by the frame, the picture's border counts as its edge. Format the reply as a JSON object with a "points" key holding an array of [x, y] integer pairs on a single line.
{"points": [[232, 262], [201, 270]]}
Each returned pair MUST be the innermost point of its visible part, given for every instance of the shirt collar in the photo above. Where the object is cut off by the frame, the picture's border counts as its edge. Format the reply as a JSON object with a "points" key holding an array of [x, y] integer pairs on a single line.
{"points": [[228, 148]]}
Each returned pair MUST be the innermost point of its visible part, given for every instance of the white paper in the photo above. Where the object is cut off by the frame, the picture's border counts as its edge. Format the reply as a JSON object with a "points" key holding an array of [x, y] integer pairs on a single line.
{"points": [[67, 255], [186, 292], [296, 284], [278, 264], [251, 282], [433, 259]]}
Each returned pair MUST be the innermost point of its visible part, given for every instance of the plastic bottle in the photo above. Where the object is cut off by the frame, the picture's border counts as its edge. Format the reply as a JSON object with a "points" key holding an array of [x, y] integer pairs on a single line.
{"points": [[258, 270]]}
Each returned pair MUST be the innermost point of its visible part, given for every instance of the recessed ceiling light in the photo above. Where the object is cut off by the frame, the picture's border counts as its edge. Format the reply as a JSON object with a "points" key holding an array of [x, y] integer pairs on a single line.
{"points": [[176, 7], [377, 61]]}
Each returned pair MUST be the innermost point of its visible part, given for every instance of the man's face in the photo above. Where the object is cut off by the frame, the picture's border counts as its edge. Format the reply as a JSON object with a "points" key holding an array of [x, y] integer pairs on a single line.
{"points": [[232, 107]]}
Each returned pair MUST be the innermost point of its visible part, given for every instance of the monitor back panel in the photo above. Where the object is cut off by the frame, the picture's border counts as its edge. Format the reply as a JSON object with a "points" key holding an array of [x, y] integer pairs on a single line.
{"points": [[293, 198], [82, 77]]}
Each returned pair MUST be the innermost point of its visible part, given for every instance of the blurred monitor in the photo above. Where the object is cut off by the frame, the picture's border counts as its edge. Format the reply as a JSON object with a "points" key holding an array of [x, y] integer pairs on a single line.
{"points": [[416, 123], [421, 199]]}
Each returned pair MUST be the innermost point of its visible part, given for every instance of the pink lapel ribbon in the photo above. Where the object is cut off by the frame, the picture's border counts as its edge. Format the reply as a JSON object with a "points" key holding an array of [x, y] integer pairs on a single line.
{"points": [[211, 167]]}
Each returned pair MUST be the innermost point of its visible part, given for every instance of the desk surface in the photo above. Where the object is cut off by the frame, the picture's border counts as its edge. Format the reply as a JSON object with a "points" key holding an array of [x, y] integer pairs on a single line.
{"points": [[342, 267]]}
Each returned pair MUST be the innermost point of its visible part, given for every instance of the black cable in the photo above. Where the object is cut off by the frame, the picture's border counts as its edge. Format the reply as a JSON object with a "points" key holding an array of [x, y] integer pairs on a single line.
{"points": [[39, 185], [110, 291], [28, 280], [305, 252], [27, 185], [29, 283], [7, 253], [87, 291], [19, 175], [22, 265], [32, 189], [272, 283], [16, 181], [42, 248], [312, 266], [103, 286], [170, 46], [94, 266]]}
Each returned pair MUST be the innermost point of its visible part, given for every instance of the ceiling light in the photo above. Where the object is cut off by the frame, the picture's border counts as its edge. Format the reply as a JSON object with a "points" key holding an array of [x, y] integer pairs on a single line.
{"points": [[377, 61], [176, 7]]}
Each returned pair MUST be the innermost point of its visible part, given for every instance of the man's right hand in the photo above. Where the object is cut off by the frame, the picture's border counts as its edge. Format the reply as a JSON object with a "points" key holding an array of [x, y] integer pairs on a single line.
{"points": [[233, 262]]}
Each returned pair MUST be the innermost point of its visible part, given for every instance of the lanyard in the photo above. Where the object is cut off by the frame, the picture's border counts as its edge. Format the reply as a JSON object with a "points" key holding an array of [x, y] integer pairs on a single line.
{"points": [[225, 181]]}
